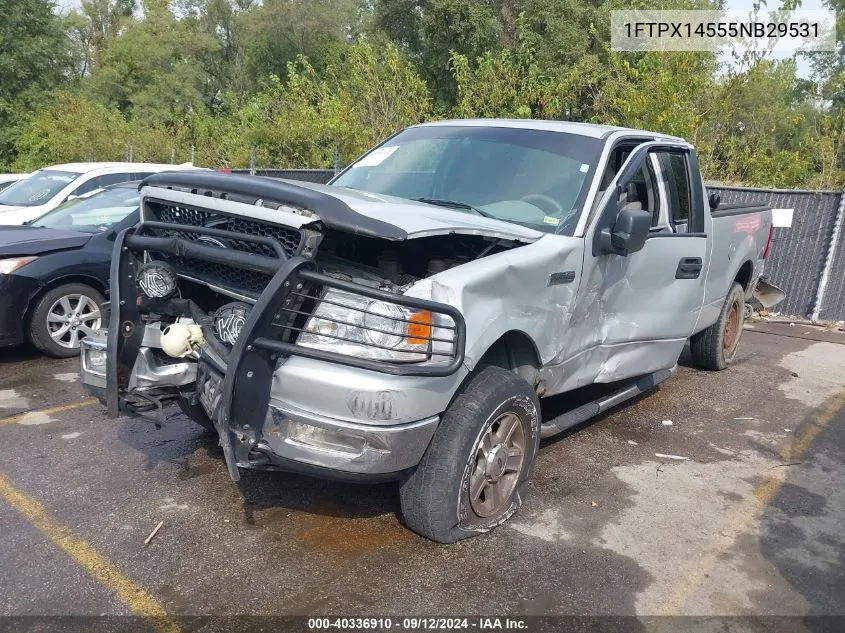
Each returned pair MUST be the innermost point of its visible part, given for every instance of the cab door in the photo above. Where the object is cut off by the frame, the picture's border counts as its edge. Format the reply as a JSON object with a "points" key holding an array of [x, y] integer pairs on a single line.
{"points": [[640, 308]]}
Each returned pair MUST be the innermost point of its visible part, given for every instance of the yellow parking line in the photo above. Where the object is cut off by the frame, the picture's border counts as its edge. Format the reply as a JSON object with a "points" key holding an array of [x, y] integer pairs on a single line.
{"points": [[750, 511], [138, 600], [14, 419]]}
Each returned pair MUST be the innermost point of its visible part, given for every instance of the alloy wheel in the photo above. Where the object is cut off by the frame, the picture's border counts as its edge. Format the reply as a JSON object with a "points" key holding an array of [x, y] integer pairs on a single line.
{"points": [[72, 318]]}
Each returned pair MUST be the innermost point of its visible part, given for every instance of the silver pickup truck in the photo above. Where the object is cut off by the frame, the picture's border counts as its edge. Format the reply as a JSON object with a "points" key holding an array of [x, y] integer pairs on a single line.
{"points": [[404, 321]]}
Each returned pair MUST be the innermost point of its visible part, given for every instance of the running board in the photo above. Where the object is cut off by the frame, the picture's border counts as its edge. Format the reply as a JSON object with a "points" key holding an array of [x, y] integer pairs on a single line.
{"points": [[592, 409]]}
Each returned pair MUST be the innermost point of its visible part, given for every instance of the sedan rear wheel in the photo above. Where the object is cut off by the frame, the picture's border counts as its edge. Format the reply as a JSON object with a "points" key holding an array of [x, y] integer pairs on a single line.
{"points": [[64, 316]]}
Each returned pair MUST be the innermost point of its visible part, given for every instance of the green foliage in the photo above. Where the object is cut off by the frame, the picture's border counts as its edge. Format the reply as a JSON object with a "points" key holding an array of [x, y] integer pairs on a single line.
{"points": [[34, 55], [307, 83], [363, 96], [148, 72], [279, 31], [432, 30], [75, 128]]}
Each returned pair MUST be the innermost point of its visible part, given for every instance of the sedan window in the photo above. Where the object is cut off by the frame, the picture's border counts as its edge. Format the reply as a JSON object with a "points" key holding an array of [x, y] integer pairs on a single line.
{"points": [[38, 188], [93, 213]]}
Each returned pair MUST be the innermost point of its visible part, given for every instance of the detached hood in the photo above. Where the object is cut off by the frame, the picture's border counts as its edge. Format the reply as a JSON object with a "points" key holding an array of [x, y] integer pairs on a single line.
{"points": [[346, 210], [30, 240]]}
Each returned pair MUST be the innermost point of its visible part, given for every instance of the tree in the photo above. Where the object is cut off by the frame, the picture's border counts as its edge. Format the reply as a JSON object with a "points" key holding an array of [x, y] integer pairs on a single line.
{"points": [[154, 70], [93, 26], [34, 57], [278, 31], [432, 30], [75, 129]]}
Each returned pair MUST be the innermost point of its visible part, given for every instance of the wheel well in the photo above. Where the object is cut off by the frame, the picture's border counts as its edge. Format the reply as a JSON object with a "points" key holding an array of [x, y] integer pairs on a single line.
{"points": [[515, 351], [743, 277], [95, 283]]}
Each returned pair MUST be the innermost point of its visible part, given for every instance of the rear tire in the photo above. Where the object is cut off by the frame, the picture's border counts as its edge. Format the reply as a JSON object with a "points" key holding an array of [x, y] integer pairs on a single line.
{"points": [[471, 477], [715, 348], [63, 316]]}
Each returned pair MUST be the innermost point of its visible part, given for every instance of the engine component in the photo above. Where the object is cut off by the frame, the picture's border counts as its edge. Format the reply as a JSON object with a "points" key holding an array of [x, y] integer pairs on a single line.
{"points": [[181, 339], [157, 280], [390, 265], [436, 266]]}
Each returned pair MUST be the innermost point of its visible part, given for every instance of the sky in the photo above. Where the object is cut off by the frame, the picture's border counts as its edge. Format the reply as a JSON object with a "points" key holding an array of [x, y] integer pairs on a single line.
{"points": [[803, 62]]}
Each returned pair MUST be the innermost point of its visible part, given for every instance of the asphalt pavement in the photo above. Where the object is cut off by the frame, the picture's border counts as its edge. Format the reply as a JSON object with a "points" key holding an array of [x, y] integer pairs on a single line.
{"points": [[719, 494]]}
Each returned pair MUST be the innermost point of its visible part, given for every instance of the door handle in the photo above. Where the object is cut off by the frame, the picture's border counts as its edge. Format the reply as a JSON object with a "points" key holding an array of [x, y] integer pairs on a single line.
{"points": [[688, 268]]}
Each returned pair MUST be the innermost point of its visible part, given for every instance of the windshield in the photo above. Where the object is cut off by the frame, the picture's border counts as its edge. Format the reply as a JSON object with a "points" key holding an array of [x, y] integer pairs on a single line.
{"points": [[535, 178], [95, 212], [39, 188]]}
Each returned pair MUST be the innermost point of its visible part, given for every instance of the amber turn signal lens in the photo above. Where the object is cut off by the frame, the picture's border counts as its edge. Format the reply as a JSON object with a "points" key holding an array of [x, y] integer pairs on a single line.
{"points": [[419, 328]]}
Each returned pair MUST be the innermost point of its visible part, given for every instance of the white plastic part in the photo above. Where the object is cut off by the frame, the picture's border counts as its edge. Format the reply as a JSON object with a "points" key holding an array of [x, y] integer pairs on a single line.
{"points": [[181, 339]]}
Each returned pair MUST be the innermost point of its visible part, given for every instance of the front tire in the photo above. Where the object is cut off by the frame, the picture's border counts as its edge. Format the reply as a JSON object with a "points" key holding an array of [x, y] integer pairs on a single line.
{"points": [[715, 348], [62, 317], [471, 477]]}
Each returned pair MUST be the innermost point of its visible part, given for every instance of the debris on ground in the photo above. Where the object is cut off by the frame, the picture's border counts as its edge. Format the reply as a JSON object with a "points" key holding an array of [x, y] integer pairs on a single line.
{"points": [[677, 457], [594, 504], [794, 374], [667, 423], [632, 443], [153, 533], [743, 418]]}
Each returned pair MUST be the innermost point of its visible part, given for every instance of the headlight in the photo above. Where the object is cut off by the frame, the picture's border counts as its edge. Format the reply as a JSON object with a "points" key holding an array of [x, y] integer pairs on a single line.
{"points": [[157, 280], [357, 326], [8, 266]]}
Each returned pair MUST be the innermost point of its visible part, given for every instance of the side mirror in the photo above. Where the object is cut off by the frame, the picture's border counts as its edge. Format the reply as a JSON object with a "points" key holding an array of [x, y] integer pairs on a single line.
{"points": [[629, 232]]}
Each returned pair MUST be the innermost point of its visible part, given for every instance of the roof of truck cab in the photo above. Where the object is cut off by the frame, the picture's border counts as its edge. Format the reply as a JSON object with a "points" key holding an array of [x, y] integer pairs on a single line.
{"points": [[593, 130]]}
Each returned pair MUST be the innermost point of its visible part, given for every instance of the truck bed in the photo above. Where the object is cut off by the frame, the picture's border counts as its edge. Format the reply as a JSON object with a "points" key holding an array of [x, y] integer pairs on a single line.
{"points": [[737, 208]]}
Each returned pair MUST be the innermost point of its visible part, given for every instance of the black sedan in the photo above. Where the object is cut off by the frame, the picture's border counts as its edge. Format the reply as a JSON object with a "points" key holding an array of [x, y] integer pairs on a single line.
{"points": [[54, 273]]}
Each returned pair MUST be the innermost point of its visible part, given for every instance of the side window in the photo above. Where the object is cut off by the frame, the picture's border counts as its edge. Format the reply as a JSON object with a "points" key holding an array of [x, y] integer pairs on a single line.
{"points": [[98, 182], [676, 173], [85, 187], [641, 192], [111, 179], [141, 175]]}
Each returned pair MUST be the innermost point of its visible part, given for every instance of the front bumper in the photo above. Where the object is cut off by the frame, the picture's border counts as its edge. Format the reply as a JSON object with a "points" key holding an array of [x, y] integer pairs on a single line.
{"points": [[15, 293], [243, 389], [291, 438]]}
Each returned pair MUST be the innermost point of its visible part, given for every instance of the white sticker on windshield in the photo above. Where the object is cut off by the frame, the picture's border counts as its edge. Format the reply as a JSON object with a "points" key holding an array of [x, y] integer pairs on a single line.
{"points": [[584, 168], [376, 157]]}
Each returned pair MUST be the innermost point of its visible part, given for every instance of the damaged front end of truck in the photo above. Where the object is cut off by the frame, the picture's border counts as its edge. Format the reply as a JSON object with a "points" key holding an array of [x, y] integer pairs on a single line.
{"points": [[226, 279]]}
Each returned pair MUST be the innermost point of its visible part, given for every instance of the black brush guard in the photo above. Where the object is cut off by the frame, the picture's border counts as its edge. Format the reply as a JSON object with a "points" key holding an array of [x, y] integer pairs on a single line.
{"points": [[268, 335]]}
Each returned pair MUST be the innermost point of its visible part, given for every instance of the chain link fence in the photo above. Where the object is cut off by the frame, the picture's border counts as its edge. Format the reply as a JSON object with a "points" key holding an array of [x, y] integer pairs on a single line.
{"points": [[808, 258]]}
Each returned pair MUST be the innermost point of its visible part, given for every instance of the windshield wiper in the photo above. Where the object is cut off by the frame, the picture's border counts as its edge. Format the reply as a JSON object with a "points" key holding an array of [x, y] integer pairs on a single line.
{"points": [[454, 204]]}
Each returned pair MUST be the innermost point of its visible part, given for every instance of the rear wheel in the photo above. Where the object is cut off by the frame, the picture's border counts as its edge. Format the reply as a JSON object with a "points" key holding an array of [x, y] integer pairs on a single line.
{"points": [[471, 477], [63, 316], [715, 348]]}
